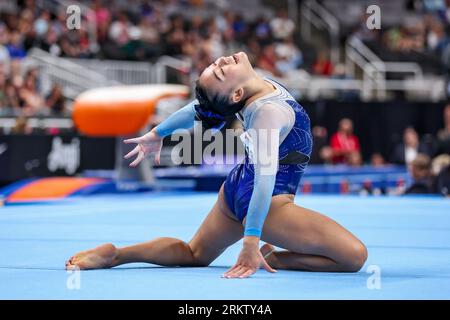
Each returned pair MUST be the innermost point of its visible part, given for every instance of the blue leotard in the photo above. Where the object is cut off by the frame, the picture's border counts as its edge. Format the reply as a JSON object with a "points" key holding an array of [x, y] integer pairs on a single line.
{"points": [[277, 130]]}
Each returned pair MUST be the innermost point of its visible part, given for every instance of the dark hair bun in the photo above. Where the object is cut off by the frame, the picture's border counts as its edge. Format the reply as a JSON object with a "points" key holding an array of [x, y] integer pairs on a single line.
{"points": [[205, 113]]}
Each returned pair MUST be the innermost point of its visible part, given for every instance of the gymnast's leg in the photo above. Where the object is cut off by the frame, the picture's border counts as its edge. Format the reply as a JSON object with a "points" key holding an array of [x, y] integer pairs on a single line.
{"points": [[217, 232], [313, 242]]}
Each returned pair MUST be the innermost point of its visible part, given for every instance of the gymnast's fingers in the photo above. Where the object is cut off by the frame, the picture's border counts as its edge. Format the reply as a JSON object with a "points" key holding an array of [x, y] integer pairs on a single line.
{"points": [[132, 152], [243, 271], [231, 270], [235, 272], [158, 154], [247, 274], [158, 157], [133, 140], [138, 159], [233, 267]]}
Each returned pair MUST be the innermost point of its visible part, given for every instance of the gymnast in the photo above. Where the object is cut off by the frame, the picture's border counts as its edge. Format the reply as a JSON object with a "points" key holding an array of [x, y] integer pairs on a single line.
{"points": [[256, 201]]}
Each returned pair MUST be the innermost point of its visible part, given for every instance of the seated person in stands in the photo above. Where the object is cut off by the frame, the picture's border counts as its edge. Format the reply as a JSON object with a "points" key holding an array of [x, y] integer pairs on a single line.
{"points": [[406, 151], [443, 136], [420, 171], [323, 65], [29, 94], [354, 159], [55, 101], [344, 142], [442, 182], [440, 167], [377, 160], [320, 143]]}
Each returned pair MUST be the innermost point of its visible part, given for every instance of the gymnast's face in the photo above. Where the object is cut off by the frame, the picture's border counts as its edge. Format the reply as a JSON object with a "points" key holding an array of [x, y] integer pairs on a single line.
{"points": [[226, 76]]}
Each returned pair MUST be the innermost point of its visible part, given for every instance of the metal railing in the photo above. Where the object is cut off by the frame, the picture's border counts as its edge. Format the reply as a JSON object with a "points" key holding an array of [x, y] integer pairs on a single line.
{"points": [[166, 62], [78, 75], [135, 72], [9, 122], [314, 14], [357, 54], [124, 72], [72, 77], [375, 73]]}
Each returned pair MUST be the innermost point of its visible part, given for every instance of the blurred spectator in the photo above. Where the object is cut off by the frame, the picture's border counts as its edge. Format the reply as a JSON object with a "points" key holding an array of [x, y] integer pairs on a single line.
{"points": [[344, 142], [420, 171], [102, 20], [240, 27], [323, 65], [377, 160], [354, 159], [440, 167], [32, 100], [282, 27], [15, 46], [263, 30], [253, 50], [326, 154], [268, 60], [436, 37], [227, 29], [289, 56], [119, 30], [214, 44], [150, 37], [406, 152], [362, 32], [50, 42], [12, 101], [320, 141], [56, 101], [4, 53], [442, 182], [443, 136], [407, 37], [439, 163], [3, 80], [21, 126], [42, 24]]}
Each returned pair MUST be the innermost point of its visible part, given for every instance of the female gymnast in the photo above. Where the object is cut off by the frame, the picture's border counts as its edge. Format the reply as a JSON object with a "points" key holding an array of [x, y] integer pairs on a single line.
{"points": [[256, 202]]}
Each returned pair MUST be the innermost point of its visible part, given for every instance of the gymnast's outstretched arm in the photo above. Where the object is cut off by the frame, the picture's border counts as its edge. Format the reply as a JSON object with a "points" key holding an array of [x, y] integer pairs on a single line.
{"points": [[184, 118], [151, 142]]}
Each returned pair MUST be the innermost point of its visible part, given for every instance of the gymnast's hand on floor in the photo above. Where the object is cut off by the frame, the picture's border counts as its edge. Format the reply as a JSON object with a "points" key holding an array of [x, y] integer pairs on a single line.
{"points": [[249, 261], [147, 144]]}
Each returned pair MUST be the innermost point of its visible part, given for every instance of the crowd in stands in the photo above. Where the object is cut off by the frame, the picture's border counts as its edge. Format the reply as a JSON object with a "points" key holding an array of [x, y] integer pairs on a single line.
{"points": [[423, 36], [427, 159], [142, 31], [146, 30], [20, 95]]}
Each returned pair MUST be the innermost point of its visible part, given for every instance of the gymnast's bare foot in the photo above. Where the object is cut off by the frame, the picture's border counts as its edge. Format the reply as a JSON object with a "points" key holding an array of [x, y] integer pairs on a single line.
{"points": [[100, 257]]}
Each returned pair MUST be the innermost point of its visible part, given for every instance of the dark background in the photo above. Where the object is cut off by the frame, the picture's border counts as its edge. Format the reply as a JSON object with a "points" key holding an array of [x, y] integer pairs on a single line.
{"points": [[95, 153], [378, 125]]}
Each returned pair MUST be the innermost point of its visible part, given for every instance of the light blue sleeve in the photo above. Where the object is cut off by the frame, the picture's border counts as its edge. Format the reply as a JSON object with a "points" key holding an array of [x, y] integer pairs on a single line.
{"points": [[184, 118], [272, 120], [259, 203]]}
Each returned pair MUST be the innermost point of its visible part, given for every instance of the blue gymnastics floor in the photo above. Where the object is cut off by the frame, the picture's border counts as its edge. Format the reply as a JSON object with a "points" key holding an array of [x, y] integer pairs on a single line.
{"points": [[408, 240]]}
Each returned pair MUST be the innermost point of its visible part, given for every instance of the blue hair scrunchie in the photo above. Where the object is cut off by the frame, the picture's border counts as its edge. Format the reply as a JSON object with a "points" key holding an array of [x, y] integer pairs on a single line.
{"points": [[205, 113]]}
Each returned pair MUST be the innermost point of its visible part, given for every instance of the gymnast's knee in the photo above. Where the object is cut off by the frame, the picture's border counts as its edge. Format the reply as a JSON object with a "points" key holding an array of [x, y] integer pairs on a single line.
{"points": [[356, 257], [197, 259]]}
